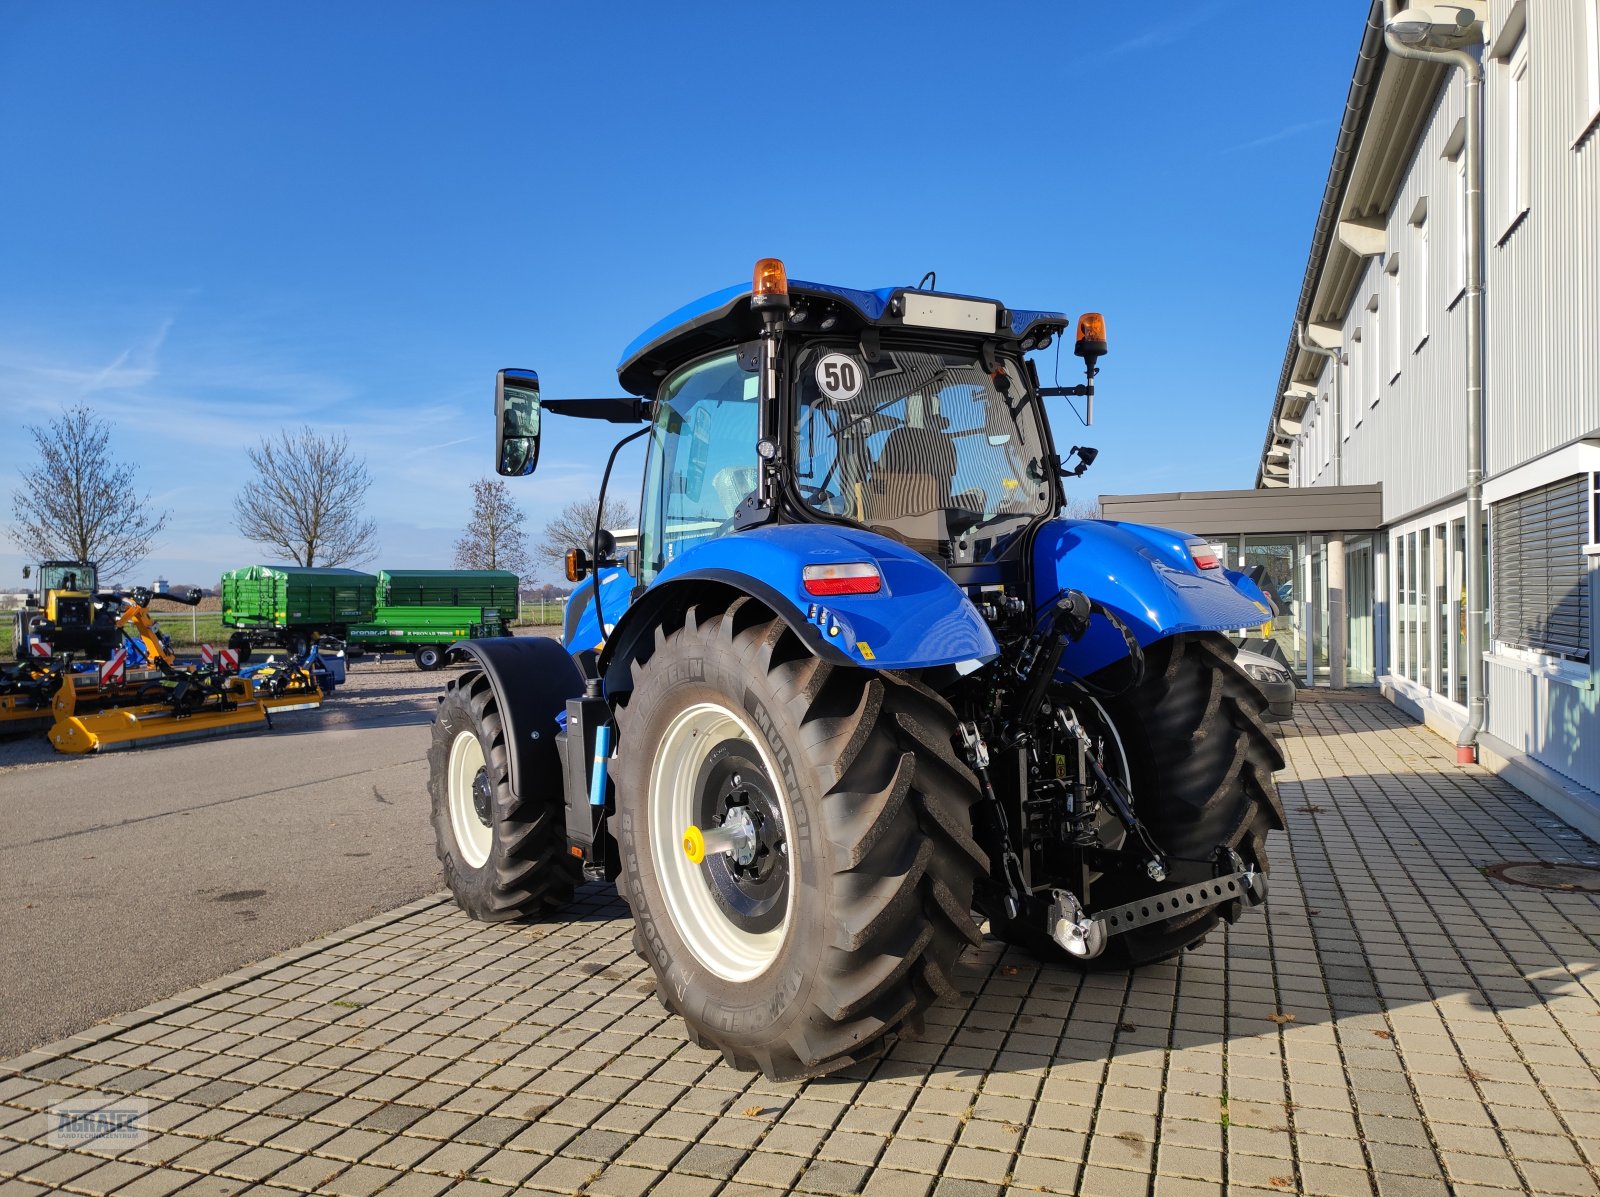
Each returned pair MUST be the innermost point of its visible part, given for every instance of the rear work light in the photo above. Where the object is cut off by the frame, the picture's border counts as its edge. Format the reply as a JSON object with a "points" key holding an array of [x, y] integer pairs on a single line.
{"points": [[1205, 555], [855, 577]]}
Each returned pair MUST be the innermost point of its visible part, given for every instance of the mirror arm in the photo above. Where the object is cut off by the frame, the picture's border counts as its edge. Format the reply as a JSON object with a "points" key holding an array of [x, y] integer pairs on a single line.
{"points": [[624, 409]]}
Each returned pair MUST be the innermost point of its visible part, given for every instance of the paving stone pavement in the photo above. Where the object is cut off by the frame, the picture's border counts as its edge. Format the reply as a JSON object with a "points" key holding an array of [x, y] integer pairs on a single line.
{"points": [[1397, 1025]]}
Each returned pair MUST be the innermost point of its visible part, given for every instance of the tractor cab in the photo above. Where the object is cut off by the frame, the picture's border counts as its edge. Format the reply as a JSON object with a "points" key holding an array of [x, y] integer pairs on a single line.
{"points": [[905, 412], [65, 615]]}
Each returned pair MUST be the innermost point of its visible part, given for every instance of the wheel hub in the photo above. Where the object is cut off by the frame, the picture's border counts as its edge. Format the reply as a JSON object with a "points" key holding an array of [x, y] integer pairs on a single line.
{"points": [[750, 880], [481, 797]]}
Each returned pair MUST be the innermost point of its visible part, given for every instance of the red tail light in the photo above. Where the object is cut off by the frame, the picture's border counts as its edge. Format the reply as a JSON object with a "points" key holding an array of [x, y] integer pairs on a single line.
{"points": [[1205, 557], [854, 577]]}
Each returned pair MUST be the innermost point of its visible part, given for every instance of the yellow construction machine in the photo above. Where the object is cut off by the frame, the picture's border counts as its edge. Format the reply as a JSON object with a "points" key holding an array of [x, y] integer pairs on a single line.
{"points": [[139, 694], [96, 670], [67, 616]]}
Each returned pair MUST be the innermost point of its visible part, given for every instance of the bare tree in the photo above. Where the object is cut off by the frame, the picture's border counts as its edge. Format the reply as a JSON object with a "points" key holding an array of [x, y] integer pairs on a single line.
{"points": [[494, 539], [307, 499], [78, 502], [574, 527], [1082, 508]]}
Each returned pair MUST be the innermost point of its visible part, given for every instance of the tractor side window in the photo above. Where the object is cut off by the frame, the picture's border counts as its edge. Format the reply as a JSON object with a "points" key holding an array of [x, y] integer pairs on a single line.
{"points": [[702, 458]]}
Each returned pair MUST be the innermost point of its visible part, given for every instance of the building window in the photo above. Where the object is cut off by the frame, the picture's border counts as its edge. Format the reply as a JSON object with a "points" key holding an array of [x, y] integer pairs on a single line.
{"points": [[1391, 338], [1540, 575], [1325, 426], [1372, 359], [1516, 136], [1592, 64], [1417, 263]]}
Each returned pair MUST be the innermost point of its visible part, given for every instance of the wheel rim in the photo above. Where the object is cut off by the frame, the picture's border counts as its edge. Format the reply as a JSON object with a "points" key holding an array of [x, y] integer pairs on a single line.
{"points": [[470, 799], [733, 914]]}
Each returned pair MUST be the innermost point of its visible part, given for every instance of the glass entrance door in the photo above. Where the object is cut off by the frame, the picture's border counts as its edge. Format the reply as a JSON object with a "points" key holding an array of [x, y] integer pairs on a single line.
{"points": [[1359, 582]]}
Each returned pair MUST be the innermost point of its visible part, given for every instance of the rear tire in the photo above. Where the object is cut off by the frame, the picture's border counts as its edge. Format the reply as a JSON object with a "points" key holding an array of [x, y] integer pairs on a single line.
{"points": [[819, 953], [504, 858], [241, 646], [429, 657], [1202, 761]]}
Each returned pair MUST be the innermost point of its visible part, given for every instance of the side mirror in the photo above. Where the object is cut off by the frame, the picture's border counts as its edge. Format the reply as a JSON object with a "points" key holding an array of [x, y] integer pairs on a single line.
{"points": [[27, 571], [516, 421]]}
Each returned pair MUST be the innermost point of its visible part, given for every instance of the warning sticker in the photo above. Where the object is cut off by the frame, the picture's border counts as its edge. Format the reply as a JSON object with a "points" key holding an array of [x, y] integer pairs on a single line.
{"points": [[865, 650]]}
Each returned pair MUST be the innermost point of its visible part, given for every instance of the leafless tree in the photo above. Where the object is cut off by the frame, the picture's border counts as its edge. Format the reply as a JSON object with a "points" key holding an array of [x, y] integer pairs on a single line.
{"points": [[1082, 508], [307, 499], [79, 503], [495, 538], [575, 527]]}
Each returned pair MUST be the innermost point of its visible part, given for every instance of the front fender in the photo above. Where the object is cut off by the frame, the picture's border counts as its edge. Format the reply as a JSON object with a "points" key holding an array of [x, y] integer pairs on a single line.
{"points": [[532, 677], [1145, 575], [919, 619]]}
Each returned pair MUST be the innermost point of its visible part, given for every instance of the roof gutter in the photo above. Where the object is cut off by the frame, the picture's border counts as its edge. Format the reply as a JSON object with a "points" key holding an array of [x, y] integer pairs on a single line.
{"points": [[1362, 87]]}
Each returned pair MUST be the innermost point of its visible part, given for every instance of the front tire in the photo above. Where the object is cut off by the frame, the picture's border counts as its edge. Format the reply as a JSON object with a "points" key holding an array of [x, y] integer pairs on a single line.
{"points": [[504, 857], [841, 918]]}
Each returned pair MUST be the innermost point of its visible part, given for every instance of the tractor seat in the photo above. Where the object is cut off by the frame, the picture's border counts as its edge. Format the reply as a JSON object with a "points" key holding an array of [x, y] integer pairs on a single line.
{"points": [[909, 488]]}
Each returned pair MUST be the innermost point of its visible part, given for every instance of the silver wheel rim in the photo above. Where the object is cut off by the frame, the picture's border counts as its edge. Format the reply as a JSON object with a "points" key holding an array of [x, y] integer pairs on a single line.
{"points": [[726, 949], [474, 838]]}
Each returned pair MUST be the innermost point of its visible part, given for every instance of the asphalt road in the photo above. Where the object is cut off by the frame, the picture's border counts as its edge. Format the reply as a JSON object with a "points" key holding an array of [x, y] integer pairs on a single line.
{"points": [[128, 877]]}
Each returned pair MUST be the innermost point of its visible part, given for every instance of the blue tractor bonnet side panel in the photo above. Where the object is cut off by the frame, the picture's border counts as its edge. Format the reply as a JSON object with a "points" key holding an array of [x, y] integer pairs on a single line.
{"points": [[1145, 575], [1251, 591], [582, 629], [919, 618]]}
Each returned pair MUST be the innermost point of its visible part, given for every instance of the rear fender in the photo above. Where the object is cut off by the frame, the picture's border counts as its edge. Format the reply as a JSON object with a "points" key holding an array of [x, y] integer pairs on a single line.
{"points": [[532, 678], [1144, 575], [917, 620]]}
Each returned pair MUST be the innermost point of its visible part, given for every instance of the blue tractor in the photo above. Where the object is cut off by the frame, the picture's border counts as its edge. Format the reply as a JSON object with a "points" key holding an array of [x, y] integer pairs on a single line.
{"points": [[858, 688]]}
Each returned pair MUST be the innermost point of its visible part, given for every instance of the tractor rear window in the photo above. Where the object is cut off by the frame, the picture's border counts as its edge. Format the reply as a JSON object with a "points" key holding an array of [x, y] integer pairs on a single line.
{"points": [[923, 446]]}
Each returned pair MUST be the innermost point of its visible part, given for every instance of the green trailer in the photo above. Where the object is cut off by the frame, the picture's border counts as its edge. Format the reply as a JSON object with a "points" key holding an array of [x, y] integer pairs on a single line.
{"points": [[495, 588], [425, 632], [293, 606]]}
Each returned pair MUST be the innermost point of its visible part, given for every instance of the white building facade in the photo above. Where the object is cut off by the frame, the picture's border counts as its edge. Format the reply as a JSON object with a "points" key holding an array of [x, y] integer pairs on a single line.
{"points": [[1373, 385]]}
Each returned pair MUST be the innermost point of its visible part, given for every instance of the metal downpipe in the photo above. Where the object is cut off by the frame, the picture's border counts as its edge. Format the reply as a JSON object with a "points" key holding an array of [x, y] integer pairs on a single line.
{"points": [[1477, 589]]}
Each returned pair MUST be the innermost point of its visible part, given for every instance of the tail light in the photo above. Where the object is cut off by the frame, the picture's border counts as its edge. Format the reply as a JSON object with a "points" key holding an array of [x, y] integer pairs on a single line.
{"points": [[1205, 556], [855, 577]]}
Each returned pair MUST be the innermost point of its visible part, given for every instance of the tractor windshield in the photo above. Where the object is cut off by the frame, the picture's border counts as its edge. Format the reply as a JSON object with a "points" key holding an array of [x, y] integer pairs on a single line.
{"points": [[922, 445]]}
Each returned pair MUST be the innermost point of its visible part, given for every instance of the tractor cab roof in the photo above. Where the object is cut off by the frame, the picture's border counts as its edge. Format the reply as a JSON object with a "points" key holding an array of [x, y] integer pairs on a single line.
{"points": [[725, 317]]}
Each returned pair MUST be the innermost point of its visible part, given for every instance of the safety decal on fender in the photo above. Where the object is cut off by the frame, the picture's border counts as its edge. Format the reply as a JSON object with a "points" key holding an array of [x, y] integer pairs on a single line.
{"points": [[839, 376], [865, 650]]}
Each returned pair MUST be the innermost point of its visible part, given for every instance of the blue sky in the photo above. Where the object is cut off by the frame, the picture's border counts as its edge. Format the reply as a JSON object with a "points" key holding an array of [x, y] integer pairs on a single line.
{"points": [[217, 220]]}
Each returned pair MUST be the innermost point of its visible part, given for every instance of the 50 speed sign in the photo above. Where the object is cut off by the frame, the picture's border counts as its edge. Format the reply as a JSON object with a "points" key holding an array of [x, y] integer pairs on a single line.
{"points": [[839, 376]]}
